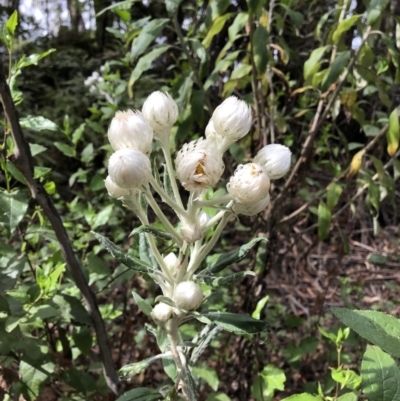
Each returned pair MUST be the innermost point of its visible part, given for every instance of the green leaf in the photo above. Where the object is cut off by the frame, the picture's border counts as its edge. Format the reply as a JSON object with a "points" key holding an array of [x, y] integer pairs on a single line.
{"points": [[335, 69], [312, 65], [65, 149], [165, 300], [380, 375], [237, 25], [218, 397], [153, 231], [344, 26], [129, 261], [303, 397], [13, 206], [36, 149], [12, 23], [83, 339], [216, 27], [133, 369], [150, 31], [34, 378], [348, 397], [172, 6], [269, 379], [377, 259], [393, 133], [324, 221], [208, 374], [226, 259], [141, 394], [223, 281], [377, 327], [144, 63], [143, 305], [346, 378], [375, 9], [235, 323], [260, 40], [333, 195], [38, 124], [260, 306]]}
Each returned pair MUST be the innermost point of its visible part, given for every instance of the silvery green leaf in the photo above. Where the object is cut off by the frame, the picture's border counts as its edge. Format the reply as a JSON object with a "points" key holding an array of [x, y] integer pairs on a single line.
{"points": [[156, 232]]}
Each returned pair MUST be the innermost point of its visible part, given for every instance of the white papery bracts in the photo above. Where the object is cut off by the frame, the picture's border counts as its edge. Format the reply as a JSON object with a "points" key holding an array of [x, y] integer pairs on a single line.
{"points": [[191, 232], [114, 190], [251, 208], [129, 168], [250, 183], [188, 295], [161, 312], [171, 261], [275, 159], [161, 111], [199, 165], [129, 129]]}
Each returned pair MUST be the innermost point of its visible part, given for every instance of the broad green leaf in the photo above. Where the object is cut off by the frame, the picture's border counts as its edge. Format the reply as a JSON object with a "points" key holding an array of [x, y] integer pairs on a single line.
{"points": [[311, 66], [143, 305], [216, 27], [235, 323], [303, 397], [242, 70], [377, 327], [12, 23], [346, 378], [393, 133], [260, 39], [150, 31], [223, 281], [129, 261], [348, 397], [375, 9], [38, 124], [83, 339], [254, 5], [380, 375], [141, 394], [153, 231], [218, 397], [32, 59], [237, 25], [296, 17], [333, 194], [335, 69], [34, 378], [36, 149], [103, 216], [13, 206], [120, 4], [172, 6], [344, 26], [208, 374], [65, 149], [144, 63], [226, 259], [377, 259], [269, 379], [324, 221]]}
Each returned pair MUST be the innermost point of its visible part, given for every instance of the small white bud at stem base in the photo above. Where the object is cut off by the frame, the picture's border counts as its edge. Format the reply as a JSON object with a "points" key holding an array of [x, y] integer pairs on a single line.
{"points": [[188, 295]]}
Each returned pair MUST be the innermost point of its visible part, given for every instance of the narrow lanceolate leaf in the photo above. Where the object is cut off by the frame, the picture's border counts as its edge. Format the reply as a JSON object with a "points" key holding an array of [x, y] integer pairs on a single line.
{"points": [[393, 133], [311, 66], [129, 261], [216, 27], [336, 68], [165, 300], [12, 23], [375, 9], [260, 53], [324, 221], [235, 323], [222, 281], [380, 375], [153, 231], [377, 327], [133, 369], [333, 194], [303, 397], [343, 27], [13, 206], [143, 305], [141, 394], [226, 259]]}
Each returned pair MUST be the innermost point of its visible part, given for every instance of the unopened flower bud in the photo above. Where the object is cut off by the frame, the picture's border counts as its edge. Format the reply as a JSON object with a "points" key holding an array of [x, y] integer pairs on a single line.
{"points": [[199, 165], [129, 168], [250, 183], [232, 118], [191, 233], [251, 208], [221, 143], [162, 312], [114, 190], [203, 218], [275, 159], [171, 261], [161, 111], [188, 295], [129, 129]]}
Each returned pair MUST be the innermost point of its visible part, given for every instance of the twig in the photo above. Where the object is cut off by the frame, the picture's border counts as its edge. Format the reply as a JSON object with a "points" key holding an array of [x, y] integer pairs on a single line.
{"points": [[22, 160]]}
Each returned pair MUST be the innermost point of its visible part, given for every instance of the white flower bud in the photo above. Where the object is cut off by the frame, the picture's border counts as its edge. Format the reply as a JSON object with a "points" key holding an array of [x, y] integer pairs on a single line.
{"points": [[129, 129], [188, 295], [161, 111], [114, 190], [129, 168], [222, 143], [250, 183], [251, 208], [199, 165], [191, 233], [171, 261], [162, 312], [275, 159], [232, 118], [203, 218]]}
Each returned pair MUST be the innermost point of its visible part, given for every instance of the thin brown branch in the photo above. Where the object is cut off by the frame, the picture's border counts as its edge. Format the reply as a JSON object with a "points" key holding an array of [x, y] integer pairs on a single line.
{"points": [[22, 160]]}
